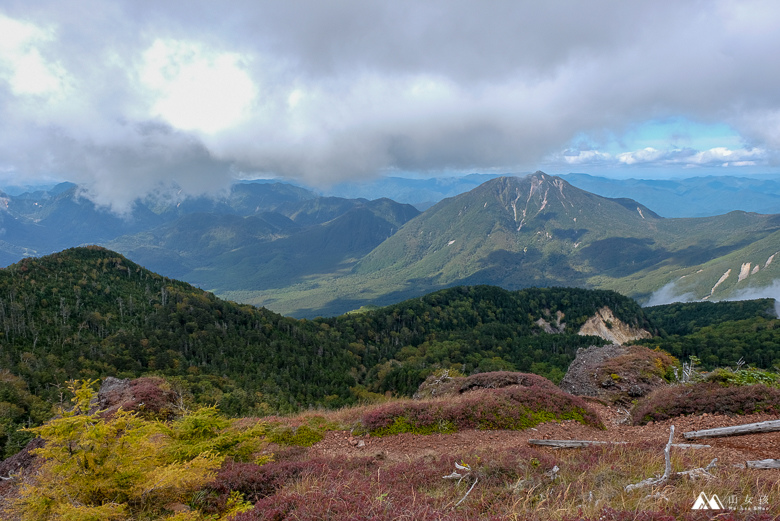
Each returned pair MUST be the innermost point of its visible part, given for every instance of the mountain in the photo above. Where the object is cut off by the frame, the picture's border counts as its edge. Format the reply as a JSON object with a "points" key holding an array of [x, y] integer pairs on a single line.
{"points": [[259, 235], [287, 248], [690, 197], [49, 220], [273, 249], [683, 197], [91, 313], [540, 231]]}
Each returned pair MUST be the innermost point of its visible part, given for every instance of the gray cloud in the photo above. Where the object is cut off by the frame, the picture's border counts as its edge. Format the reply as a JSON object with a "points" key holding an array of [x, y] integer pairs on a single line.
{"points": [[350, 89]]}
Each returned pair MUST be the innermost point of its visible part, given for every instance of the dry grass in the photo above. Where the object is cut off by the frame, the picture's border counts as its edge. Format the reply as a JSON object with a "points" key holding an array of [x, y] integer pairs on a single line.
{"points": [[590, 484]]}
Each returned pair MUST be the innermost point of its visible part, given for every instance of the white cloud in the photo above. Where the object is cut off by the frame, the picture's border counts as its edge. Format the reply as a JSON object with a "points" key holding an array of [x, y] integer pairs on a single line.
{"points": [[668, 295], [646, 155], [587, 157], [196, 88], [330, 91], [674, 157], [21, 63]]}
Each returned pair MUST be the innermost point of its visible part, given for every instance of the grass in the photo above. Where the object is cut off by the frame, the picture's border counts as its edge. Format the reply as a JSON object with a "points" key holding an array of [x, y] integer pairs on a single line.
{"points": [[517, 484]]}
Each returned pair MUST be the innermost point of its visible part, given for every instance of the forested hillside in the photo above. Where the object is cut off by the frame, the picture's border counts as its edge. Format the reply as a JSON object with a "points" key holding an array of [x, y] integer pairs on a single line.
{"points": [[719, 333], [90, 313], [476, 329]]}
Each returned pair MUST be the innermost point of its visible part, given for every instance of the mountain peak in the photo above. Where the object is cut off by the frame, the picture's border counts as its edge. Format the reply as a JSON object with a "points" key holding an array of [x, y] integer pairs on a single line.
{"points": [[527, 197], [514, 232]]}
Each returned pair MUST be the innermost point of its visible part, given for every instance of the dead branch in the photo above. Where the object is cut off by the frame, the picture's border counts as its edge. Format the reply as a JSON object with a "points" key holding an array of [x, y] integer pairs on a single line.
{"points": [[701, 472], [747, 428], [763, 464], [456, 475], [649, 482], [467, 493], [575, 444], [571, 444]]}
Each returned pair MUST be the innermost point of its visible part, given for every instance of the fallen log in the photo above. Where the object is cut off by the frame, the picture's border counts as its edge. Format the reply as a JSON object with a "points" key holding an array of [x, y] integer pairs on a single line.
{"points": [[576, 444], [747, 428], [763, 464], [570, 444]]}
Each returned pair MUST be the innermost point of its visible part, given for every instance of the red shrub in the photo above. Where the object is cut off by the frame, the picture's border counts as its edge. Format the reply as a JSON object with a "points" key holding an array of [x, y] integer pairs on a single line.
{"points": [[711, 398], [395, 491], [152, 397], [513, 407]]}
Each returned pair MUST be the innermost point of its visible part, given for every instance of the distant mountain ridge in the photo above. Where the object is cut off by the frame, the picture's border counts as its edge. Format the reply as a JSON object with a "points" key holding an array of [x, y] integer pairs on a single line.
{"points": [[299, 253], [677, 197], [690, 197], [541, 231]]}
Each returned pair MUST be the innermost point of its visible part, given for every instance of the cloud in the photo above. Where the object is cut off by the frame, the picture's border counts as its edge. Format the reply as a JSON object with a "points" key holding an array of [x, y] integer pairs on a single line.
{"points": [[770, 291], [674, 157], [668, 295], [125, 97]]}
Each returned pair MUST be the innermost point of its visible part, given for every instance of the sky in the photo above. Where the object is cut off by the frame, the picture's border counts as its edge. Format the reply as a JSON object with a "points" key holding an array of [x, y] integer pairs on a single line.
{"points": [[131, 97]]}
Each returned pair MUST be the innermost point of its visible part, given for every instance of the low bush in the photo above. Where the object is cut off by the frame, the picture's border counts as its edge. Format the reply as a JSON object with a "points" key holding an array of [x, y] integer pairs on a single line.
{"points": [[124, 466], [507, 408], [301, 431], [706, 397], [640, 363], [152, 398], [747, 376], [302, 436], [448, 382]]}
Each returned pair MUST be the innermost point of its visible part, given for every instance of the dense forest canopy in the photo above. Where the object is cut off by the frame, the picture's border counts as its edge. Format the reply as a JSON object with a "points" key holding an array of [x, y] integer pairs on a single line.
{"points": [[719, 333], [89, 313]]}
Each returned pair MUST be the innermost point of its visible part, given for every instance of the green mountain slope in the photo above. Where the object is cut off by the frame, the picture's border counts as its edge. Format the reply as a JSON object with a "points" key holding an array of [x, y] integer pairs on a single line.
{"points": [[301, 239], [539, 231], [91, 313]]}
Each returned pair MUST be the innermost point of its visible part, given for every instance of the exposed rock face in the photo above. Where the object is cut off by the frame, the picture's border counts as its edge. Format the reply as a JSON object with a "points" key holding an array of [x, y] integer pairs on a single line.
{"points": [[549, 328], [607, 326], [21, 460], [616, 373], [113, 393], [581, 376]]}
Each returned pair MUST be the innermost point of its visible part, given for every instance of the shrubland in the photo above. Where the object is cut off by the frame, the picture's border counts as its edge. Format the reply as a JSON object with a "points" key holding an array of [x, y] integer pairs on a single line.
{"points": [[125, 466], [513, 408], [199, 465]]}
